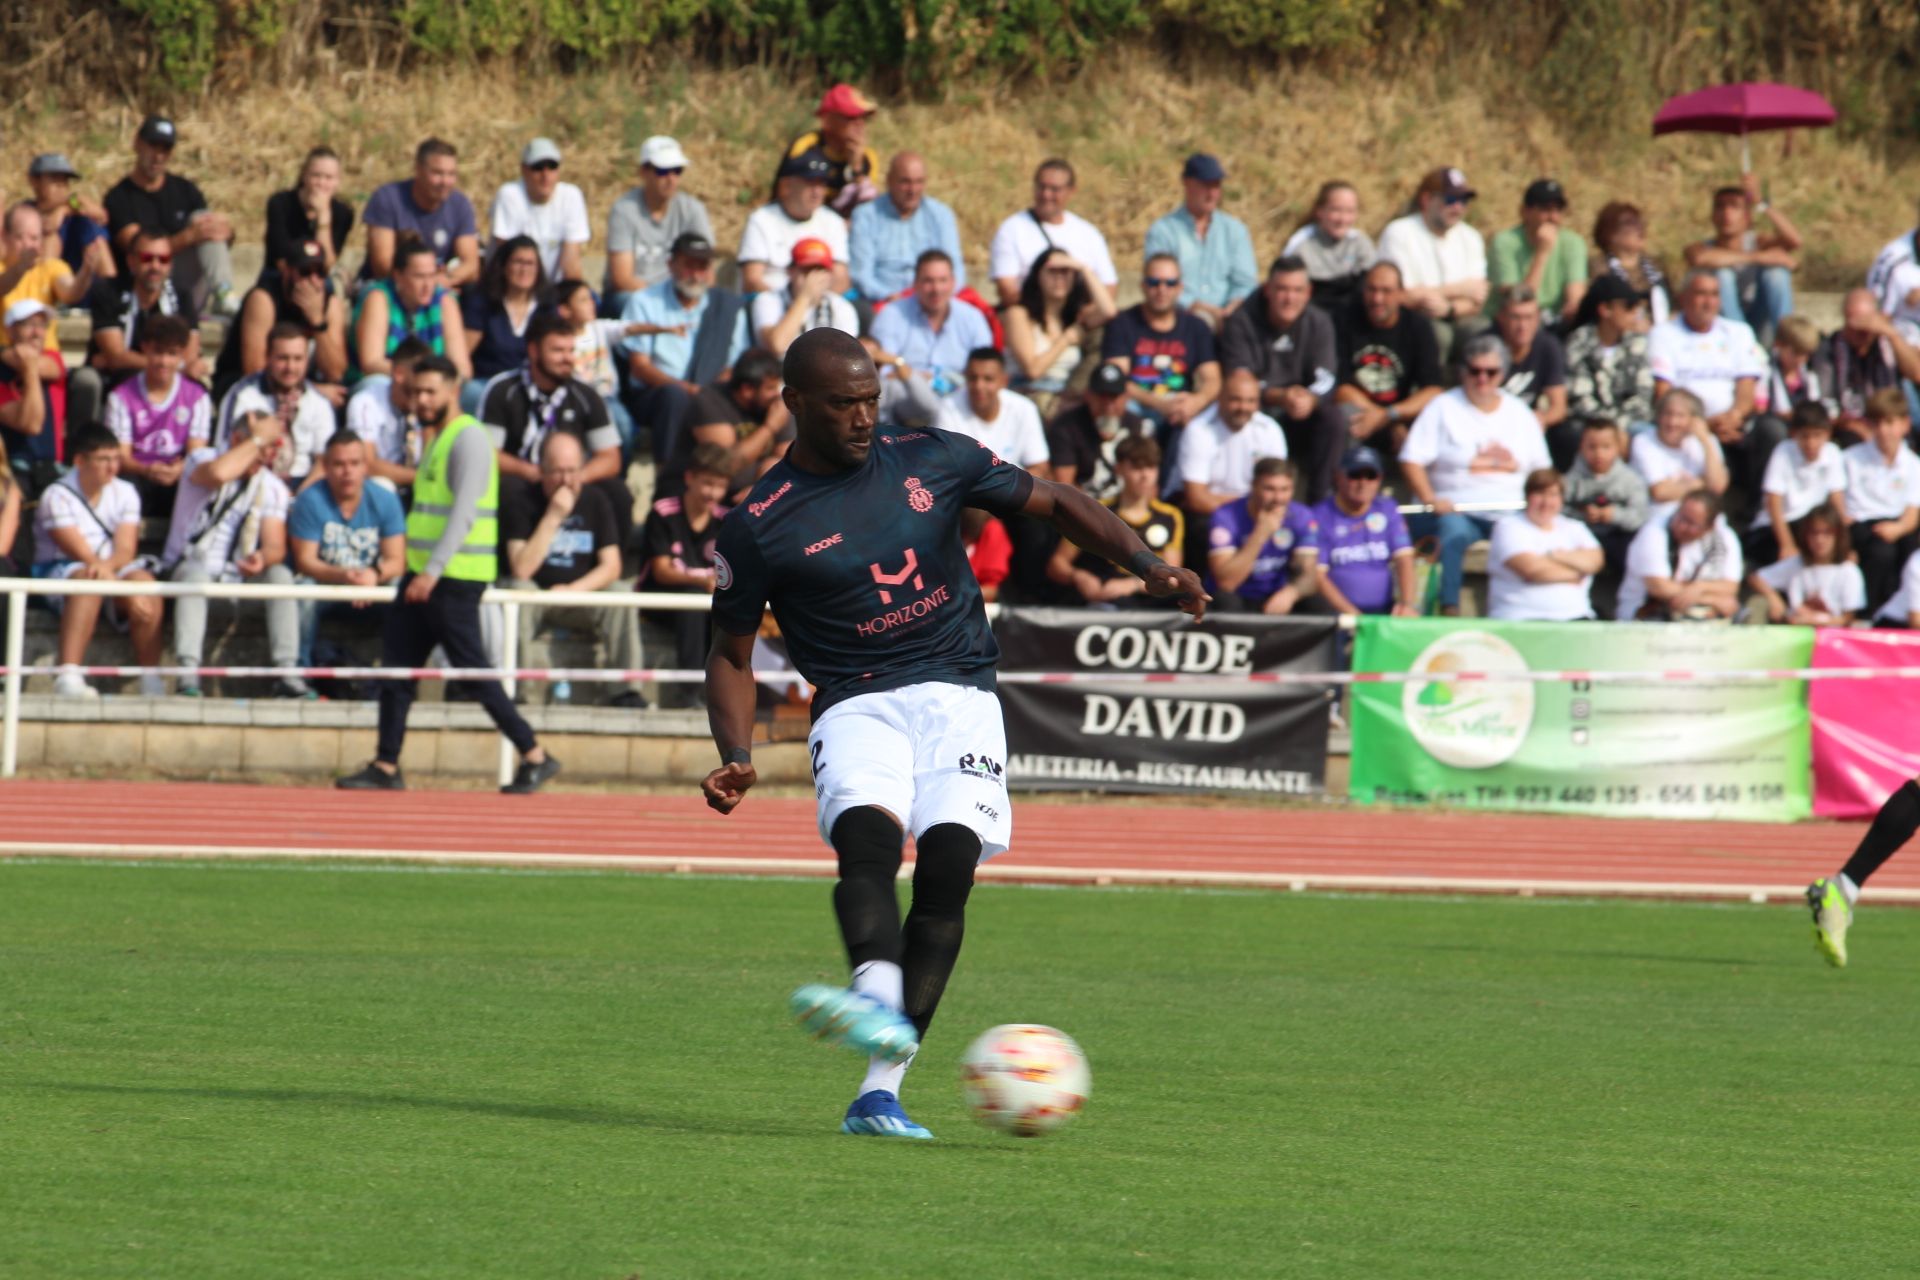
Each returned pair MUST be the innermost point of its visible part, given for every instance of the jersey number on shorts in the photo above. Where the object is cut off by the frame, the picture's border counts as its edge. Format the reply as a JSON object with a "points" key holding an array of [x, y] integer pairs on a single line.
{"points": [[816, 757]]}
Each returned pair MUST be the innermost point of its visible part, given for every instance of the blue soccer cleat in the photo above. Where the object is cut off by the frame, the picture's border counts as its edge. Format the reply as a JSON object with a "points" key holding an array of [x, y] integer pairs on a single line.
{"points": [[857, 1021], [877, 1114]]}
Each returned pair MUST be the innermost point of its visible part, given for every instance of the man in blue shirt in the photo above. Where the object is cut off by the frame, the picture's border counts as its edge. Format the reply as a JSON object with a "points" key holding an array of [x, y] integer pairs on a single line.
{"points": [[1261, 548], [1214, 249], [695, 330], [345, 532], [886, 237], [929, 330]]}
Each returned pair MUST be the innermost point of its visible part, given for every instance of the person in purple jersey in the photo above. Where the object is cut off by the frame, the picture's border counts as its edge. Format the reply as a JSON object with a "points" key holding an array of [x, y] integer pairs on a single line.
{"points": [[1366, 556], [1261, 548], [854, 539]]}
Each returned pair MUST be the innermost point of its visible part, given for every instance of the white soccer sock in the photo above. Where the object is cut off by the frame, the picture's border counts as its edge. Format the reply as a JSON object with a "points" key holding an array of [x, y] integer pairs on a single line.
{"points": [[1848, 888], [882, 1074], [882, 980]]}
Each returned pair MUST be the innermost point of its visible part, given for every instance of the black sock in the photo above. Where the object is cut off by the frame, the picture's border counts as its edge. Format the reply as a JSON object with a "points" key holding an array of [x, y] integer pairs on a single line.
{"points": [[942, 878], [868, 842], [1892, 827]]}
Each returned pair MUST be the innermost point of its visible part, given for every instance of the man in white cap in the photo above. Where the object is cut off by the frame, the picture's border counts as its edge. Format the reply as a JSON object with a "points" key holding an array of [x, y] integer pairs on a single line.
{"points": [[645, 222], [540, 206]]}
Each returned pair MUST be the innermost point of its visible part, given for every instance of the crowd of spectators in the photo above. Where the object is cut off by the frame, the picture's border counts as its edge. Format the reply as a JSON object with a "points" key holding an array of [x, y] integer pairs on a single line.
{"points": [[1332, 428]]}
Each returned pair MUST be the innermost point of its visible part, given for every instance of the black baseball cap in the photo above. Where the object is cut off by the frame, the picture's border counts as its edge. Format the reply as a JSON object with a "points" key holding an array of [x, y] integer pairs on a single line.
{"points": [[1544, 193], [1202, 167], [1361, 458], [1107, 380], [158, 131], [692, 244], [810, 165], [1611, 288]]}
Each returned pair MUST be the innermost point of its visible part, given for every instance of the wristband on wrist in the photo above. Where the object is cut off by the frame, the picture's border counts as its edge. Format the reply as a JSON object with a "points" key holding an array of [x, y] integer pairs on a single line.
{"points": [[1143, 563], [736, 755]]}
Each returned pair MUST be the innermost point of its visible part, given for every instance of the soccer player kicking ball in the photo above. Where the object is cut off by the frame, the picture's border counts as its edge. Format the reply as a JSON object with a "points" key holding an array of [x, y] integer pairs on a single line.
{"points": [[854, 539], [1832, 897]]}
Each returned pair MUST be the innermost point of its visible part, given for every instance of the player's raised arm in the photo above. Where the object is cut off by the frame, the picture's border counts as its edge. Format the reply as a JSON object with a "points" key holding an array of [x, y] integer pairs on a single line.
{"points": [[730, 705], [1093, 527]]}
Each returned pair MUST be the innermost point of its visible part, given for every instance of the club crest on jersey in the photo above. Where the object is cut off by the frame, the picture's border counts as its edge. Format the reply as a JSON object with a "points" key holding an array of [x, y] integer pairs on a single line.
{"points": [[722, 572], [920, 499]]}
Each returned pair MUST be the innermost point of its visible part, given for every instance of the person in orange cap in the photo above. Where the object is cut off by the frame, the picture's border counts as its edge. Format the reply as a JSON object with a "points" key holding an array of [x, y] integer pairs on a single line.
{"points": [[807, 302], [842, 139]]}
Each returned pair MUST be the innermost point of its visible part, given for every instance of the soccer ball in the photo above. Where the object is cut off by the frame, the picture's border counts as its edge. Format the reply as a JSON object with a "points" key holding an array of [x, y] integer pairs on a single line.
{"points": [[1024, 1079]]}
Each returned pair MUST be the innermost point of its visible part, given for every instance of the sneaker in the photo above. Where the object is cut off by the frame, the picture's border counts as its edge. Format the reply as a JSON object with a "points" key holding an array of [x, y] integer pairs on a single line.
{"points": [[187, 688], [529, 778], [1831, 916], [71, 684], [225, 302], [630, 700], [293, 687], [371, 778], [857, 1021], [152, 686], [878, 1115]]}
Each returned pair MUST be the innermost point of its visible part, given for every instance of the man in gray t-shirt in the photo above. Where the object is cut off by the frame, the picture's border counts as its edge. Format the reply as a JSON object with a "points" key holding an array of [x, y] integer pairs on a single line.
{"points": [[646, 220]]}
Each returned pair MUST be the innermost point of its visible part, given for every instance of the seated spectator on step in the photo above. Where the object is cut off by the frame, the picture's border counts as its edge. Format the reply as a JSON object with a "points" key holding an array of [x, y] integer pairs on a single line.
{"points": [[841, 140], [1819, 585], [677, 552], [230, 525], [1289, 345], [495, 315], [1806, 471], [1084, 441], [1386, 359], [645, 222], [159, 417], [522, 407], [1061, 308], [1685, 567], [929, 329], [806, 301], [410, 304], [1095, 579], [1541, 255], [1442, 260], [1218, 449], [1541, 564], [1365, 562], [381, 413], [1609, 378], [33, 402], [1167, 353], [119, 307], [697, 331], [1472, 445], [344, 532], [907, 397], [1005, 421], [1791, 380], [545, 210], [1538, 373], [152, 201], [1620, 251], [1607, 495], [428, 207], [39, 274], [887, 237], [68, 221], [742, 414], [1679, 456], [1867, 354], [1212, 246], [1046, 224], [1337, 252], [1717, 359], [88, 526], [281, 388], [1902, 609], [299, 294], [596, 343], [309, 212], [797, 212], [1754, 271], [1262, 549], [563, 534], [1883, 495]]}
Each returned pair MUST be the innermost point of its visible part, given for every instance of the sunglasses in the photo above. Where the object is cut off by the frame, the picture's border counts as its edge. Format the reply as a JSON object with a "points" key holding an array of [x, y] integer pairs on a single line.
{"points": [[313, 273], [1363, 475], [1482, 373], [671, 173], [156, 257], [545, 166], [1160, 282], [1457, 199]]}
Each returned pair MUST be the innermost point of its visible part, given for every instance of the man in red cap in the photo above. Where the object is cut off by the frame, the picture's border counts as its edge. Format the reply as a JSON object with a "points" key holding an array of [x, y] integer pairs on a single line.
{"points": [[807, 302], [842, 139]]}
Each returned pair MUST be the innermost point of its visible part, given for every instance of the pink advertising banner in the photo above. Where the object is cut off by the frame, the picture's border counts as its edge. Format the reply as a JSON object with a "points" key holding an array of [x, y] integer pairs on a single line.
{"points": [[1866, 733]]}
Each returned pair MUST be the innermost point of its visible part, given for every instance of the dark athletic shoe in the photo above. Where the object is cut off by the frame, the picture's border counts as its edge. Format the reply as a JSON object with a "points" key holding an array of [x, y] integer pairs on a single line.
{"points": [[371, 778], [529, 778]]}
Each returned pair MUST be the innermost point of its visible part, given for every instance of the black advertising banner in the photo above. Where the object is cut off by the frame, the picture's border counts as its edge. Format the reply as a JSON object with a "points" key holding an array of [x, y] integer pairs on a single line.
{"points": [[1226, 735]]}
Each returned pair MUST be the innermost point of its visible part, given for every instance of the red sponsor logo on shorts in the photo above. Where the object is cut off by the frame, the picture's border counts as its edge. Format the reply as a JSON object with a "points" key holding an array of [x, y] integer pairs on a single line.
{"points": [[824, 543], [757, 508]]}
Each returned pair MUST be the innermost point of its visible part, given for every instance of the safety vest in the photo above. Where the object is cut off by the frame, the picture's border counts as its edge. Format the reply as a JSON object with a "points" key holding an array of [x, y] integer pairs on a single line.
{"points": [[477, 558]]}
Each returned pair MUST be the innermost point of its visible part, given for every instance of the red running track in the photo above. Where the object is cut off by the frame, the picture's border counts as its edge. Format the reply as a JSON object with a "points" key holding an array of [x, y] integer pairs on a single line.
{"points": [[1088, 842]]}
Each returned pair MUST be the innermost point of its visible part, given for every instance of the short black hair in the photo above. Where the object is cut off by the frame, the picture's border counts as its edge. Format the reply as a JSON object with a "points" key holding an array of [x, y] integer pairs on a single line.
{"points": [[1287, 264], [165, 333], [992, 355], [1276, 467], [711, 459], [1811, 414], [545, 323], [408, 248], [931, 255], [433, 147], [285, 331], [437, 364], [410, 351], [755, 366], [341, 439], [564, 291], [90, 439]]}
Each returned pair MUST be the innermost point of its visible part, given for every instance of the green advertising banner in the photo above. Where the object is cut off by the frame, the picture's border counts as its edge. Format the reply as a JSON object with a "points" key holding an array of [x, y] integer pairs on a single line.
{"points": [[1698, 748]]}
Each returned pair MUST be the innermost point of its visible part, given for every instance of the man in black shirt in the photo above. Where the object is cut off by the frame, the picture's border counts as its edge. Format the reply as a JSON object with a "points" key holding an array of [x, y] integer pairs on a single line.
{"points": [[1388, 362], [1537, 376], [1289, 346], [1081, 441], [677, 547], [1167, 353], [742, 415], [150, 200], [523, 406], [117, 307], [854, 539]]}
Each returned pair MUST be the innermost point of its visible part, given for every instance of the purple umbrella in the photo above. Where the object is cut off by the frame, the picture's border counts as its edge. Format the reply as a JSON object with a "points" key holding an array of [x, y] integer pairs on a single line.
{"points": [[1743, 109]]}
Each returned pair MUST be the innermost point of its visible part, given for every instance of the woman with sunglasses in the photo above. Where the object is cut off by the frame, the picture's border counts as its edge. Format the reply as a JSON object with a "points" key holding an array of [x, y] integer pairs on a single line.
{"points": [[1472, 448]]}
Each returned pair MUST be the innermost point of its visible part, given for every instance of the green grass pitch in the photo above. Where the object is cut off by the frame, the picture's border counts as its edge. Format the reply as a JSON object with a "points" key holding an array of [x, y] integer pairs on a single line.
{"points": [[299, 1071]]}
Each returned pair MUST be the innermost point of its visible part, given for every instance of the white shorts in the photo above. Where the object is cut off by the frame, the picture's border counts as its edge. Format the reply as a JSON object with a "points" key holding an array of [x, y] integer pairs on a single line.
{"points": [[927, 754]]}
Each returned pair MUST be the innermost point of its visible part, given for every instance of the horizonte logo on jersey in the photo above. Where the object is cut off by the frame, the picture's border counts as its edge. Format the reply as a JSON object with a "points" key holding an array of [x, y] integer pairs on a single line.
{"points": [[906, 613]]}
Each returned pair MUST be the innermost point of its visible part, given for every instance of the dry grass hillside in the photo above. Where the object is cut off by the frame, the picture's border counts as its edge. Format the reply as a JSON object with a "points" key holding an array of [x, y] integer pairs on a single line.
{"points": [[1125, 124]]}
